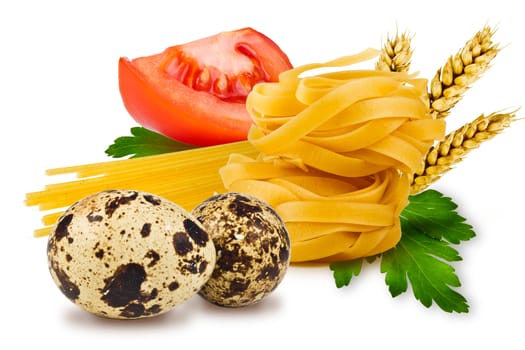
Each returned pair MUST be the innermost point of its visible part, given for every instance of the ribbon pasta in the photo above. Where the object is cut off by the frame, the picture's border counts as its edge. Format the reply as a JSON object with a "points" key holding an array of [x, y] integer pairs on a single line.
{"points": [[336, 151]]}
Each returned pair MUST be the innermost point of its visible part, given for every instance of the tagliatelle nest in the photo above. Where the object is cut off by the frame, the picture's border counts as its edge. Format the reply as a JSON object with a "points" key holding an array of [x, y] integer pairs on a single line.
{"points": [[337, 151]]}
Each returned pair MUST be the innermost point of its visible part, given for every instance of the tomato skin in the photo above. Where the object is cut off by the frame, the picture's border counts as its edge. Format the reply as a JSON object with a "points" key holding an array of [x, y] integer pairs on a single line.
{"points": [[160, 102]]}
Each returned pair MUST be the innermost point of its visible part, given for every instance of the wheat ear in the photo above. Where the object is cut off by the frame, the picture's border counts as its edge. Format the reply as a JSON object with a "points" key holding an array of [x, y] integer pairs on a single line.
{"points": [[451, 150], [460, 71], [396, 54]]}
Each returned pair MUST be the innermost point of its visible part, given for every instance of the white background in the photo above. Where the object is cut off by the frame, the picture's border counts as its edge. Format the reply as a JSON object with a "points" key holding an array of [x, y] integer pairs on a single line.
{"points": [[60, 105]]}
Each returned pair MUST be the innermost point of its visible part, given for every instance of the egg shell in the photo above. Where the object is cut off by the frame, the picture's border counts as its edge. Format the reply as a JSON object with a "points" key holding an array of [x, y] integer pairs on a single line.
{"points": [[253, 248], [129, 254]]}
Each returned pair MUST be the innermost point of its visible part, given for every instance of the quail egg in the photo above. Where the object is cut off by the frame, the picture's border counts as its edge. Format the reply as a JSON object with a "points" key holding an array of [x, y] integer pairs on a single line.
{"points": [[253, 248], [129, 254]]}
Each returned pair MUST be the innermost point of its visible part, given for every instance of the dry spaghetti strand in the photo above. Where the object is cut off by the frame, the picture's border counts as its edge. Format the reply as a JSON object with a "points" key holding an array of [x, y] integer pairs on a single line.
{"points": [[186, 177]]}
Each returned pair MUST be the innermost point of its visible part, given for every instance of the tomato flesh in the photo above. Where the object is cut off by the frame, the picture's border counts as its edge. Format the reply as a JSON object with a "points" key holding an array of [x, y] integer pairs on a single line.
{"points": [[196, 92], [228, 75]]}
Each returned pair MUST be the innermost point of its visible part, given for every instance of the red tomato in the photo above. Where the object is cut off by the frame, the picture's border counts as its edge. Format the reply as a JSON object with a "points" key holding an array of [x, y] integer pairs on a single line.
{"points": [[196, 92]]}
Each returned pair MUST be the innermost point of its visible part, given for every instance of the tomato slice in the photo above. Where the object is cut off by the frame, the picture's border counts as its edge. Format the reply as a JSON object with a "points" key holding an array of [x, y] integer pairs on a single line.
{"points": [[196, 92]]}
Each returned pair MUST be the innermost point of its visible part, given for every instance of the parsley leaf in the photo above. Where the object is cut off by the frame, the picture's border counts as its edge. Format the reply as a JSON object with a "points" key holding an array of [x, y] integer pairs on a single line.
{"points": [[429, 224], [345, 270], [144, 142], [434, 215], [416, 257]]}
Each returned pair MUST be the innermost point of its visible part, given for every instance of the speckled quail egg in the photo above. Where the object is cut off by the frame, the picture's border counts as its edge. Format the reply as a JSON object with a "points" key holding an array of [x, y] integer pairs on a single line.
{"points": [[129, 254], [253, 248]]}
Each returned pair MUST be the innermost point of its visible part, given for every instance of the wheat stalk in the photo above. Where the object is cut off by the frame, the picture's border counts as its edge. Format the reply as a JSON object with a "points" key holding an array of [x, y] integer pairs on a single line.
{"points": [[396, 54], [460, 71], [451, 150]]}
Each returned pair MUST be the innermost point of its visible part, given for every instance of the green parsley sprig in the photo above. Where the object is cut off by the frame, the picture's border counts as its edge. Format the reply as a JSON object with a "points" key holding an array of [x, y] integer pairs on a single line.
{"points": [[430, 224], [144, 142]]}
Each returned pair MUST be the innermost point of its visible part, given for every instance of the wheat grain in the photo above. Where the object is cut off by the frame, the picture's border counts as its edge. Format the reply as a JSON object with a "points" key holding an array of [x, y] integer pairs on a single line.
{"points": [[461, 71], [396, 54], [451, 150]]}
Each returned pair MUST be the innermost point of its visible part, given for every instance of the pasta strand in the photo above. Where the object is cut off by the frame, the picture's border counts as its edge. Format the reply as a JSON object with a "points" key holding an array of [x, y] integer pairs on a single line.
{"points": [[335, 161]]}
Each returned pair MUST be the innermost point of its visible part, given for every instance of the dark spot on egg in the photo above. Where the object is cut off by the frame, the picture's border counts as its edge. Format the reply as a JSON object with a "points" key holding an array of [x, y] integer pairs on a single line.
{"points": [[154, 309], [99, 253], [190, 266], [133, 310], [202, 267], [252, 237], [115, 203], [237, 287], [283, 234], [124, 285], [173, 286], [153, 295], [152, 199], [196, 233], [243, 206], [145, 230], [233, 259], [154, 256], [260, 223], [284, 253], [270, 271], [265, 245], [68, 288], [62, 230], [94, 218], [181, 243]]}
